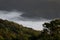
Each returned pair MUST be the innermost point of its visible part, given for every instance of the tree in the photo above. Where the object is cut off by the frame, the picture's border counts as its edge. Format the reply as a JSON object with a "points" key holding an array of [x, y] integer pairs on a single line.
{"points": [[54, 27]]}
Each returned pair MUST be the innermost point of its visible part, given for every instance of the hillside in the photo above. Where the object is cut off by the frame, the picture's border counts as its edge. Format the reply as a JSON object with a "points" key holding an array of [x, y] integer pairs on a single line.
{"points": [[13, 31]]}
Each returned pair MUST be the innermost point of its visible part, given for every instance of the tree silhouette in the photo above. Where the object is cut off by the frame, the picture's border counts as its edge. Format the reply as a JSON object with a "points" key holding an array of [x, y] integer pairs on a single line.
{"points": [[54, 27]]}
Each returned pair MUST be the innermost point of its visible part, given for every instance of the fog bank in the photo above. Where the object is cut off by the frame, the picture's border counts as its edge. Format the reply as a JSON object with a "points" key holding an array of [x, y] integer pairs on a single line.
{"points": [[15, 16]]}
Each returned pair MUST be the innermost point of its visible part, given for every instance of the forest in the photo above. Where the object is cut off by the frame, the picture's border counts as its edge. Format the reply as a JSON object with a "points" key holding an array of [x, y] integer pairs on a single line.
{"points": [[13, 31]]}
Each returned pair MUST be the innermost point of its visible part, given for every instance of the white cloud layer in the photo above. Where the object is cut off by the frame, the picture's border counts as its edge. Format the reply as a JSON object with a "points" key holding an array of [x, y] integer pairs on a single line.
{"points": [[16, 17]]}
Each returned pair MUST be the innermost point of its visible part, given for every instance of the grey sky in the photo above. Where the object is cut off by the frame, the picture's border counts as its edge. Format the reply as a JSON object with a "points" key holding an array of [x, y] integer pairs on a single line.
{"points": [[32, 13], [33, 8]]}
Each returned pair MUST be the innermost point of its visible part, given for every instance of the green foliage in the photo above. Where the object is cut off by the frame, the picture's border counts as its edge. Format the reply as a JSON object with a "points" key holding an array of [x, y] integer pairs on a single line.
{"points": [[54, 27], [13, 31]]}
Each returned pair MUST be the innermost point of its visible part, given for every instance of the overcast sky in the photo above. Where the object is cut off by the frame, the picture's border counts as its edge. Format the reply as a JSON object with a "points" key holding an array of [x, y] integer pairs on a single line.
{"points": [[30, 12], [33, 8]]}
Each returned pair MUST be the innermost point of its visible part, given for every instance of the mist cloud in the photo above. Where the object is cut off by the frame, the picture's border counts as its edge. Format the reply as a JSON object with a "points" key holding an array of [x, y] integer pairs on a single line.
{"points": [[16, 17], [31, 13]]}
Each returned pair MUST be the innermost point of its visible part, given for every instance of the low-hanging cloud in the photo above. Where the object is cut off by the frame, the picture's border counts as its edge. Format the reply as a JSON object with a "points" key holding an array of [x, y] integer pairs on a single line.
{"points": [[16, 17]]}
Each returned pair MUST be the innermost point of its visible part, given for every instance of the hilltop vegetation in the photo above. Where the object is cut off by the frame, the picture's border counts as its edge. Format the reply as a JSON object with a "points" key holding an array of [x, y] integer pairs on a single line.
{"points": [[13, 31]]}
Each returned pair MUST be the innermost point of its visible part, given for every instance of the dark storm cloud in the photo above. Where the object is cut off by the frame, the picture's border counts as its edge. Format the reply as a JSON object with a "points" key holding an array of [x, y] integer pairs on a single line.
{"points": [[23, 5], [33, 8]]}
